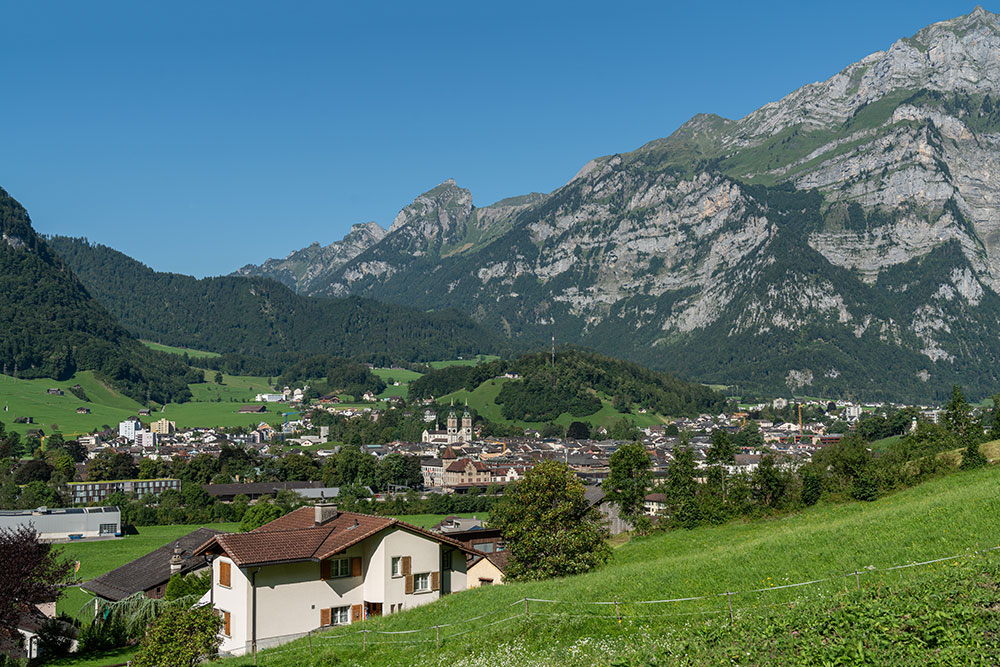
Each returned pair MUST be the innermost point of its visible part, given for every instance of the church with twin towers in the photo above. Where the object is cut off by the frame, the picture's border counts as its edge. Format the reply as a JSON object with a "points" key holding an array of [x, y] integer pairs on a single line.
{"points": [[454, 435]]}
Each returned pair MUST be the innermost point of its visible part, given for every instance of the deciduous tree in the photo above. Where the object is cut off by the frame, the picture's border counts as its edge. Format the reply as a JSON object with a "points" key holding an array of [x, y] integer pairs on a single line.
{"points": [[180, 637], [549, 527], [31, 574], [629, 476]]}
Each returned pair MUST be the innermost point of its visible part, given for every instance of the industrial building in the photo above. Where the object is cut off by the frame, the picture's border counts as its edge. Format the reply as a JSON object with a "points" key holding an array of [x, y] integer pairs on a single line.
{"points": [[70, 523]]}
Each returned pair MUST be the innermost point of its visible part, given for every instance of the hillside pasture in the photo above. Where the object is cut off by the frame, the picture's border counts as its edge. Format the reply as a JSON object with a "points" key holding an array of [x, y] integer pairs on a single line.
{"points": [[180, 351], [28, 398], [836, 613]]}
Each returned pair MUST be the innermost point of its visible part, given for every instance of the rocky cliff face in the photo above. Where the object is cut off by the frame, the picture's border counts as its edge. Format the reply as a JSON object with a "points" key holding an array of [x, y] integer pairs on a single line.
{"points": [[843, 238], [310, 269]]}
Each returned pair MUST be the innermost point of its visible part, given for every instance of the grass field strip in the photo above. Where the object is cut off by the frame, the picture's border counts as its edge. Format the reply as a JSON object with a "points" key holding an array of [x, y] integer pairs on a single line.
{"points": [[367, 637]]}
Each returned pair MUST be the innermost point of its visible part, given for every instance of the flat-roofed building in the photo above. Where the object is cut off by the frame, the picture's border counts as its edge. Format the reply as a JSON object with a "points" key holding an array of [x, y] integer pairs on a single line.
{"points": [[163, 427], [95, 492], [65, 523]]}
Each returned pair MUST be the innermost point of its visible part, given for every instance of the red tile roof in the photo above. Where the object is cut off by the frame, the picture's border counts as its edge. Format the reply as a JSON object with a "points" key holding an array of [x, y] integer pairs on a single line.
{"points": [[296, 537], [461, 464]]}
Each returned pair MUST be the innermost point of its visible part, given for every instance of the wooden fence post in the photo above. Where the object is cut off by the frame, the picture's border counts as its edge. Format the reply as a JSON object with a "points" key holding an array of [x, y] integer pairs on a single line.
{"points": [[364, 639], [437, 635], [310, 635], [526, 607], [618, 612], [732, 619]]}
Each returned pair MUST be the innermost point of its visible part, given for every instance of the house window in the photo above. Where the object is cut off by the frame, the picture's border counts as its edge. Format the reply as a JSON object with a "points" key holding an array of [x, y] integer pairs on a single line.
{"points": [[397, 566], [422, 582], [340, 616], [225, 574], [485, 582], [226, 628], [485, 547], [340, 567]]}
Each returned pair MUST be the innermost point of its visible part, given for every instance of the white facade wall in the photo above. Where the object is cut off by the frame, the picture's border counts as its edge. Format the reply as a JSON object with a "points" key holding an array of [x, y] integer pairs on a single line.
{"points": [[127, 428], [291, 596]]}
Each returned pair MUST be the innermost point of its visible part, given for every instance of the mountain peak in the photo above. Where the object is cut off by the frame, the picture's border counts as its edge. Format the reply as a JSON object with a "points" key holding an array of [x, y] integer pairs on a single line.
{"points": [[441, 206]]}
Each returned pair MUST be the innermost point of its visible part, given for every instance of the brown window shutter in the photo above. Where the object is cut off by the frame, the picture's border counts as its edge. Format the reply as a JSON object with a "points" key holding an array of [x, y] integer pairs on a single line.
{"points": [[225, 624], [325, 617], [225, 576], [409, 584], [356, 566], [355, 613], [435, 581], [406, 565], [324, 570]]}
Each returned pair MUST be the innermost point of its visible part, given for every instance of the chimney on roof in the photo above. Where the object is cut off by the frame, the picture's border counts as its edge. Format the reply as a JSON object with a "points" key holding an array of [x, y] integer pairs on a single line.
{"points": [[176, 562], [324, 512]]}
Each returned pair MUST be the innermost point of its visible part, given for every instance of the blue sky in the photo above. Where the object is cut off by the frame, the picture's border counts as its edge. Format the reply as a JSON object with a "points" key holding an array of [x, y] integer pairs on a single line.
{"points": [[200, 136]]}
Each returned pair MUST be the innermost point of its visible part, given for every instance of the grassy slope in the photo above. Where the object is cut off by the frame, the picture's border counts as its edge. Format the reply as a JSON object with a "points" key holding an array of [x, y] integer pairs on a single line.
{"points": [[96, 558], [481, 358], [170, 349], [218, 405], [401, 375], [28, 398], [483, 400], [943, 517]]}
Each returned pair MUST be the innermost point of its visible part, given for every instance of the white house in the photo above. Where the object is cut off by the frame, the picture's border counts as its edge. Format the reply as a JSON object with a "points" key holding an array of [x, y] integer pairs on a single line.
{"points": [[317, 567], [127, 428]]}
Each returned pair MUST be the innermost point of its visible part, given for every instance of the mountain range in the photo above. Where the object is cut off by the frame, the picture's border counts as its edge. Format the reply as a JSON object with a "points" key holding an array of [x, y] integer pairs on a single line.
{"points": [[842, 240]]}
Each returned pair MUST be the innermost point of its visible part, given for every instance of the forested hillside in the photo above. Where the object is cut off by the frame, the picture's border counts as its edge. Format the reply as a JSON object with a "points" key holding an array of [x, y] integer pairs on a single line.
{"points": [[260, 317], [51, 327], [541, 391]]}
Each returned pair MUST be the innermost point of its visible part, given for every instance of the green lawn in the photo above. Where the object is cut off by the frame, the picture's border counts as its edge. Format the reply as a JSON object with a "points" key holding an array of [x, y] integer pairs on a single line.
{"points": [[117, 657], [96, 558], [170, 349], [827, 621]]}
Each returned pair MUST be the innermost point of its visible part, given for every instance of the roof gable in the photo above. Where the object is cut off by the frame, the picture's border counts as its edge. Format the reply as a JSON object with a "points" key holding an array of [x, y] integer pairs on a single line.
{"points": [[296, 537]]}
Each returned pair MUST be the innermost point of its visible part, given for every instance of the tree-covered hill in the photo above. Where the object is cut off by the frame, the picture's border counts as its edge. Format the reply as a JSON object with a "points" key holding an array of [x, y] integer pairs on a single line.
{"points": [[258, 316], [542, 391], [51, 327]]}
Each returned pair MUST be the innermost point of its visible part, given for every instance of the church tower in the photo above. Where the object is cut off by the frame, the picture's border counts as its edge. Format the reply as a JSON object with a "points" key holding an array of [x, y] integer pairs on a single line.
{"points": [[452, 425], [466, 433]]}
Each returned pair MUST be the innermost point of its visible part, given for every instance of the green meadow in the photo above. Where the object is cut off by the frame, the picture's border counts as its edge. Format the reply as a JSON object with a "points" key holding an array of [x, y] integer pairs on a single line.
{"points": [[170, 349], [478, 359], [940, 613], [28, 398], [401, 375]]}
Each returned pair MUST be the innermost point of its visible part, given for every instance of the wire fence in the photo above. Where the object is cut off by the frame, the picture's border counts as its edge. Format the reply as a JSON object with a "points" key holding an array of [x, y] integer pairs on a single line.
{"points": [[732, 604]]}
